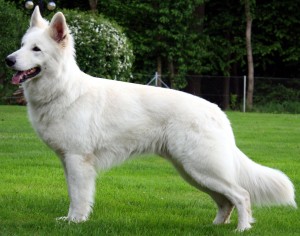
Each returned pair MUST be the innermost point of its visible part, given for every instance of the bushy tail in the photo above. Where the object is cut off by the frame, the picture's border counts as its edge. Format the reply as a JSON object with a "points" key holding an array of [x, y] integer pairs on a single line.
{"points": [[265, 185]]}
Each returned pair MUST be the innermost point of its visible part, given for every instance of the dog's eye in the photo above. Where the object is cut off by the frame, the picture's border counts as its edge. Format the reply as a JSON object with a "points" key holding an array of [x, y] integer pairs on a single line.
{"points": [[36, 49]]}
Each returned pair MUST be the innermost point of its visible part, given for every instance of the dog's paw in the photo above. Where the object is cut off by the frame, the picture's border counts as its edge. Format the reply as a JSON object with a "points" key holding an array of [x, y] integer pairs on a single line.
{"points": [[74, 219], [77, 219], [242, 228]]}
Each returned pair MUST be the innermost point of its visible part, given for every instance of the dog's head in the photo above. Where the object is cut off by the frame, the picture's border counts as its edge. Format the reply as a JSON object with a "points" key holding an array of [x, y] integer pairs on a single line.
{"points": [[43, 47]]}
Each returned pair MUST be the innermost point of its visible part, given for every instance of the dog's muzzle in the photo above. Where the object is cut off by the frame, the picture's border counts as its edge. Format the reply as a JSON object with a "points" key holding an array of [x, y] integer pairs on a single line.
{"points": [[21, 76]]}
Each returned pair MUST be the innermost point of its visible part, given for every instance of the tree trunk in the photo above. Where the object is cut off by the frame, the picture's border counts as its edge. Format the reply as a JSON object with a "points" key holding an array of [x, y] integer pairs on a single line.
{"points": [[249, 55], [159, 71], [199, 16], [236, 81], [226, 81], [93, 5], [172, 73], [226, 90]]}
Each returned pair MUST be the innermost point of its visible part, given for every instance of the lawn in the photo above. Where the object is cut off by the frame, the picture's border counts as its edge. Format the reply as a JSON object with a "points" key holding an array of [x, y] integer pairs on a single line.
{"points": [[143, 196]]}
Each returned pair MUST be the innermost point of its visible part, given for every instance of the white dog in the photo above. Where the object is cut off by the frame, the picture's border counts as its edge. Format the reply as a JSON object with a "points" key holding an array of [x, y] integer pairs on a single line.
{"points": [[93, 123]]}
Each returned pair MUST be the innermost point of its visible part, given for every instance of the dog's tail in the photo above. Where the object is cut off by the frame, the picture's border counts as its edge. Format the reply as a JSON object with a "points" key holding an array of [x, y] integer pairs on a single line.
{"points": [[265, 185]]}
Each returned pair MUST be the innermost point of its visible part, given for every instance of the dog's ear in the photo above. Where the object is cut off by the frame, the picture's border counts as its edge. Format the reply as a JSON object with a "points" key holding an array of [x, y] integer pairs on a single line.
{"points": [[37, 19], [58, 28]]}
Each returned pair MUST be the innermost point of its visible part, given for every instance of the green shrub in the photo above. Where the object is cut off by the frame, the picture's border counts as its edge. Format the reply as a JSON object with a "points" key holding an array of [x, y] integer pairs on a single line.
{"points": [[277, 96], [102, 49], [13, 24], [276, 93], [234, 104], [292, 107]]}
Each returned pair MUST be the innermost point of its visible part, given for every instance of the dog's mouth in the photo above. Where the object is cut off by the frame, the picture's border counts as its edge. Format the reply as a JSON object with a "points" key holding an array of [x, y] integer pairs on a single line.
{"points": [[22, 76]]}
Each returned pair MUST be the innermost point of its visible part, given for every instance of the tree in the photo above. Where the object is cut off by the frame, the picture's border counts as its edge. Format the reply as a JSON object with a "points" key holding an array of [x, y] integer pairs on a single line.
{"points": [[206, 37], [163, 35], [276, 38], [224, 27]]}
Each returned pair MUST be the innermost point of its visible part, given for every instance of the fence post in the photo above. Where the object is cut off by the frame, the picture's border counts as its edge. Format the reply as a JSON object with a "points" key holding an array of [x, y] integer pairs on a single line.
{"points": [[244, 95]]}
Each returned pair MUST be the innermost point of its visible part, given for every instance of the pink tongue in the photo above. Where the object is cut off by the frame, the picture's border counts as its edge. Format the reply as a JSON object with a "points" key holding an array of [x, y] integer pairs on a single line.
{"points": [[17, 77]]}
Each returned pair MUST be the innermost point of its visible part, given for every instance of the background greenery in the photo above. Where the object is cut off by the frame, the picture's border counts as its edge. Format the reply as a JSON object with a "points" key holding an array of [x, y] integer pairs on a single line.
{"points": [[102, 49], [13, 23], [186, 39], [141, 197]]}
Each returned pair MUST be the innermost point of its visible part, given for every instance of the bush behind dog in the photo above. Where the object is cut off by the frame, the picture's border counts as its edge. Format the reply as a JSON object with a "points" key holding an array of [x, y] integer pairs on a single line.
{"points": [[102, 48]]}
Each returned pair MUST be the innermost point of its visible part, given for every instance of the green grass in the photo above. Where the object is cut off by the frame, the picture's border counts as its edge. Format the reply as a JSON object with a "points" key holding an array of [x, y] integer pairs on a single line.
{"points": [[141, 197]]}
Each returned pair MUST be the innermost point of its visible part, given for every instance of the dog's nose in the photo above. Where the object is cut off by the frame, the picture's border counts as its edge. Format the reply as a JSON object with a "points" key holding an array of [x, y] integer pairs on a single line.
{"points": [[10, 61]]}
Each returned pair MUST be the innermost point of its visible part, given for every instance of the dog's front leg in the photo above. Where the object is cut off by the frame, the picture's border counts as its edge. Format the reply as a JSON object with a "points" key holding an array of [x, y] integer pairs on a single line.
{"points": [[80, 175]]}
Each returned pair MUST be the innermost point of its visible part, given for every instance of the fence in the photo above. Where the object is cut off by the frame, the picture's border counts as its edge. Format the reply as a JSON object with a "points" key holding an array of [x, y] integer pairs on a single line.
{"points": [[281, 94], [229, 92]]}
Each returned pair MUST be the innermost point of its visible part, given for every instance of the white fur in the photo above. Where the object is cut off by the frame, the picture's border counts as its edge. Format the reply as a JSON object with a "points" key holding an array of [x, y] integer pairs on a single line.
{"points": [[94, 123]]}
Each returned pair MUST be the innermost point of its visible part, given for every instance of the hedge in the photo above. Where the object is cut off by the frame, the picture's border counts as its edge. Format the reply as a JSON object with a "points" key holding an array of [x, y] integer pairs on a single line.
{"points": [[102, 49]]}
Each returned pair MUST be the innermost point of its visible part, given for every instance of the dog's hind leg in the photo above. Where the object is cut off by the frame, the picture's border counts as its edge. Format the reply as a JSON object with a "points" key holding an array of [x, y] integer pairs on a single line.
{"points": [[223, 192], [225, 208], [80, 176]]}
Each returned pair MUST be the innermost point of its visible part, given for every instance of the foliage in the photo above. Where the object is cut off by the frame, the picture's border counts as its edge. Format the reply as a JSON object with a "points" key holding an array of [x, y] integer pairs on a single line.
{"points": [[102, 49], [277, 95], [234, 105], [164, 29], [204, 37], [12, 25], [276, 38], [210, 42], [292, 107], [226, 33]]}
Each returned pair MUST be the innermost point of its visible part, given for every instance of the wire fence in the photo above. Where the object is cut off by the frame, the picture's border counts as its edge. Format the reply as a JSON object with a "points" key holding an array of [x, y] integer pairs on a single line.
{"points": [[228, 92]]}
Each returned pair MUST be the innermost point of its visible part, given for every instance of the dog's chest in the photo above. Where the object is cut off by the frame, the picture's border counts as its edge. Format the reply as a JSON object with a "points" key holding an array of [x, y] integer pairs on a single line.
{"points": [[57, 130]]}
